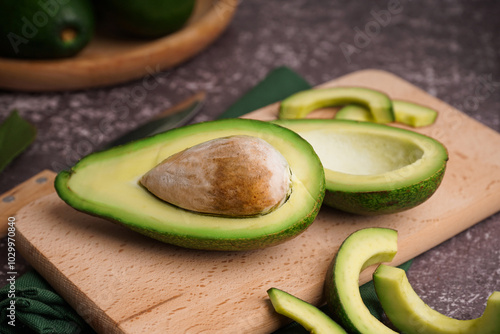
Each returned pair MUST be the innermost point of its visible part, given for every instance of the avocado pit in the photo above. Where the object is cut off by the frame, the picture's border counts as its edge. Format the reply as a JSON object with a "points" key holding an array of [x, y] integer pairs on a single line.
{"points": [[231, 176]]}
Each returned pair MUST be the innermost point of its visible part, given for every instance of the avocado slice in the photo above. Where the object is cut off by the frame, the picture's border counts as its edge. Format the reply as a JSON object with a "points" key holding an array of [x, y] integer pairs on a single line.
{"points": [[413, 114], [146, 18], [300, 104], [411, 315], [359, 250], [309, 316], [106, 184], [45, 29], [371, 168], [354, 112], [405, 112]]}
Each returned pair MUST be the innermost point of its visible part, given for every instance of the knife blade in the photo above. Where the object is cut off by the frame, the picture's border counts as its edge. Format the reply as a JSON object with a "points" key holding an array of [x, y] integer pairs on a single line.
{"points": [[168, 119], [43, 182]]}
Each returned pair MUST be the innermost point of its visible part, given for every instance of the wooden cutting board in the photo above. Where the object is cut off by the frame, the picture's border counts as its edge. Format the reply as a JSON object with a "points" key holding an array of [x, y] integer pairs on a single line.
{"points": [[122, 282]]}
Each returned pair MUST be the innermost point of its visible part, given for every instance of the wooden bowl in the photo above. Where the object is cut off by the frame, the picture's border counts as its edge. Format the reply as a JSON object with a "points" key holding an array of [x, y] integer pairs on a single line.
{"points": [[107, 60]]}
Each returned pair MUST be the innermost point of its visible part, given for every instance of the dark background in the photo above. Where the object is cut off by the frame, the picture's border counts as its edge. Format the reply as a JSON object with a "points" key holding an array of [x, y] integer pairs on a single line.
{"points": [[447, 48]]}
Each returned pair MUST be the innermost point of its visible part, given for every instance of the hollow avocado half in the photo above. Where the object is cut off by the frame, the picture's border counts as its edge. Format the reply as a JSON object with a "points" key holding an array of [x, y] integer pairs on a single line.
{"points": [[372, 168], [106, 184]]}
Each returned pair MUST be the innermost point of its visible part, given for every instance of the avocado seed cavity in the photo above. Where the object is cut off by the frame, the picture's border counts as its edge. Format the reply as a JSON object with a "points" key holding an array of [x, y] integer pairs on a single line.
{"points": [[229, 176]]}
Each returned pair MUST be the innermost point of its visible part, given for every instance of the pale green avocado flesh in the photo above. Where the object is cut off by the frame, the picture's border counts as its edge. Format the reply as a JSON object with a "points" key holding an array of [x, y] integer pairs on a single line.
{"points": [[300, 104], [373, 168], [405, 112], [106, 184], [360, 250], [413, 114], [354, 112], [411, 315], [309, 316]]}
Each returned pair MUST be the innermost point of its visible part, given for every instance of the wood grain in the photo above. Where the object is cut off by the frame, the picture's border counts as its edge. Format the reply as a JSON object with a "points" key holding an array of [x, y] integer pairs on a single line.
{"points": [[122, 282], [13, 200], [111, 60]]}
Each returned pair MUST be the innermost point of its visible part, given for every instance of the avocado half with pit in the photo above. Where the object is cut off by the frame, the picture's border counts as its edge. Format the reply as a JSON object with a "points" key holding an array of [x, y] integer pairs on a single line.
{"points": [[108, 184], [372, 168]]}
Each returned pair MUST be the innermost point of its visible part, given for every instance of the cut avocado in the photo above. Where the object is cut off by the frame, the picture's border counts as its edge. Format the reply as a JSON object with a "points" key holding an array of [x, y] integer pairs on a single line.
{"points": [[373, 168], [309, 316], [45, 29], [354, 112], [300, 104], [411, 315], [405, 112], [413, 114], [360, 250], [106, 184], [146, 18]]}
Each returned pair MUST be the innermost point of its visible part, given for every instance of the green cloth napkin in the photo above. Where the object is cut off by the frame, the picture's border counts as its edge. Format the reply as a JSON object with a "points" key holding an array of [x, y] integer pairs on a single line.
{"points": [[39, 309], [277, 85], [16, 134]]}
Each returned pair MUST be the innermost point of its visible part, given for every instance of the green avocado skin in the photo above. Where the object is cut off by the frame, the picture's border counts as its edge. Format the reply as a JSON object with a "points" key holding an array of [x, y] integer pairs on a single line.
{"points": [[335, 306], [385, 202], [235, 244], [32, 29], [146, 18]]}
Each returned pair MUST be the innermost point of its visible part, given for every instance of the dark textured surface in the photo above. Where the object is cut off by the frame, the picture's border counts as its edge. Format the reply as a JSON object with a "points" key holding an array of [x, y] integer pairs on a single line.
{"points": [[449, 48]]}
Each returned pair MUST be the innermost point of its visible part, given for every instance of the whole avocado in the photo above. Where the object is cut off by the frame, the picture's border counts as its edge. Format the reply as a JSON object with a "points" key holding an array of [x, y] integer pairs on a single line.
{"points": [[146, 18], [45, 29]]}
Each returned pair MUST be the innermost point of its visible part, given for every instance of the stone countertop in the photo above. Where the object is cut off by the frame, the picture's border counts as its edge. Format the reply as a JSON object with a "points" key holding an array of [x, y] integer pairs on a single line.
{"points": [[450, 49]]}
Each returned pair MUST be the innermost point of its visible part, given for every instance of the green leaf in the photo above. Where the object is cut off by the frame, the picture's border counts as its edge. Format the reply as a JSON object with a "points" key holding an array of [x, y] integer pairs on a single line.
{"points": [[16, 135]]}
